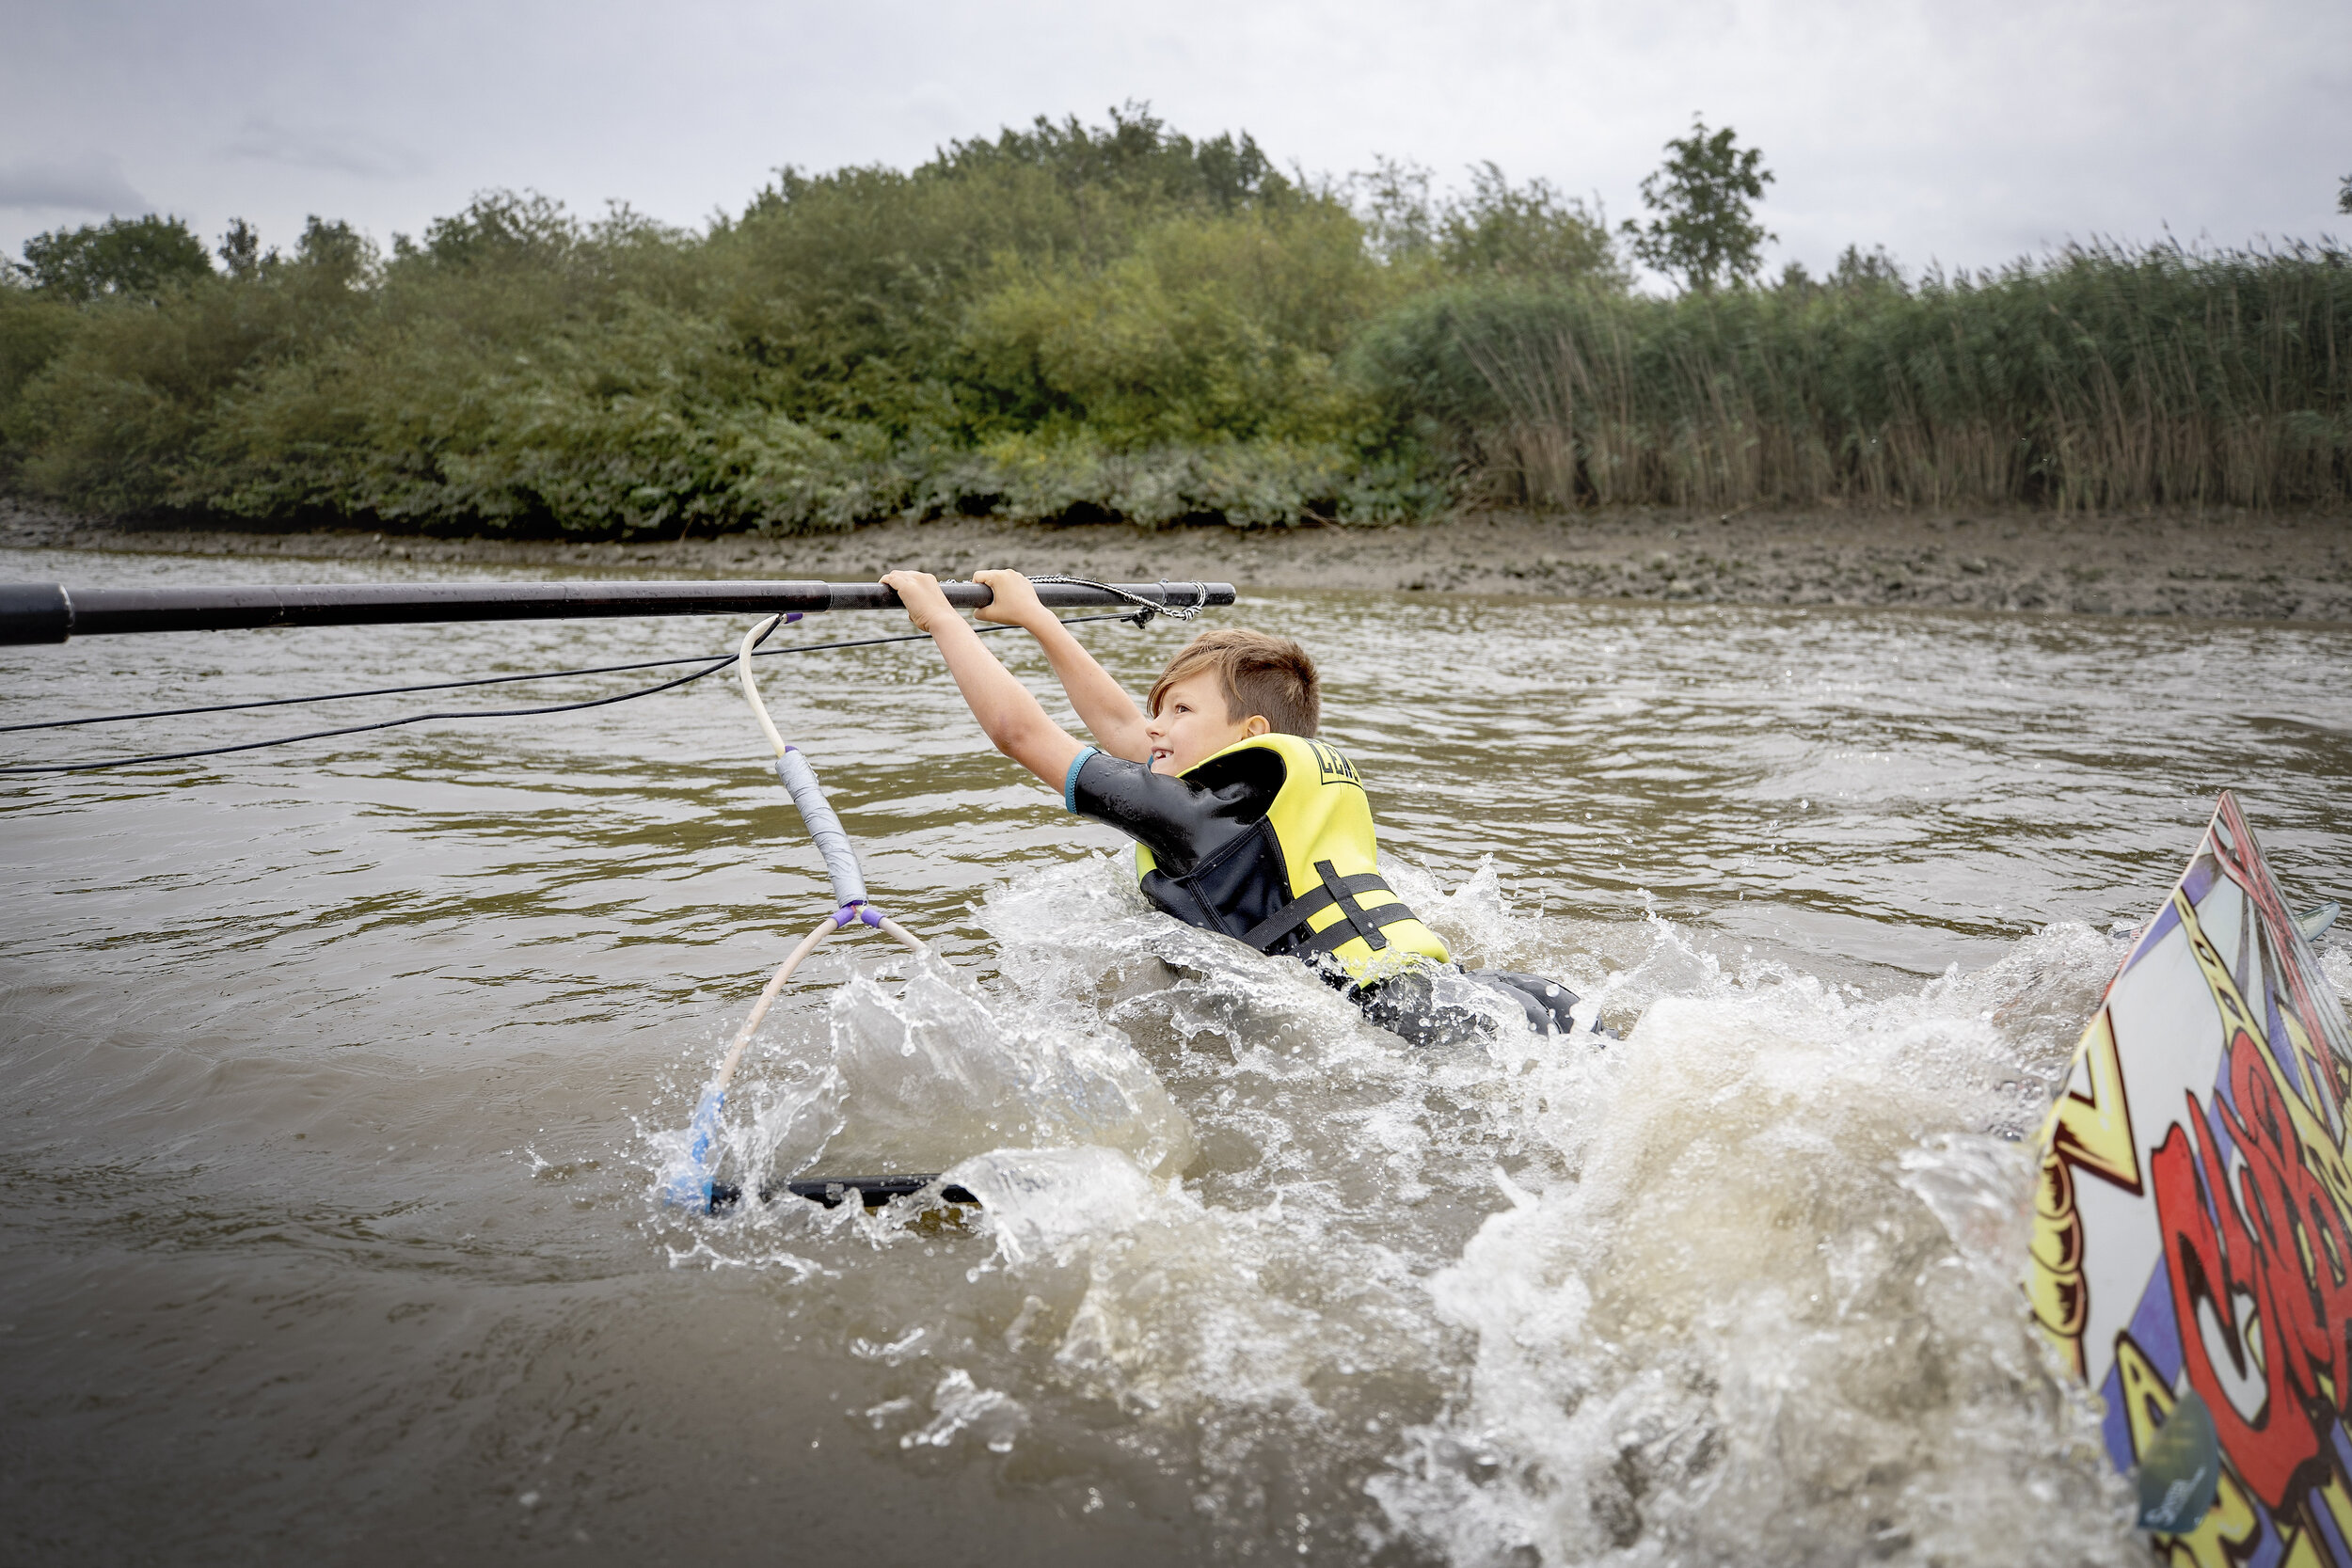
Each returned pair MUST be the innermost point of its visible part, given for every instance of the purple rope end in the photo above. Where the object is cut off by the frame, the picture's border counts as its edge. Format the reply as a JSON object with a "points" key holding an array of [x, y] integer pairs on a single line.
{"points": [[855, 911]]}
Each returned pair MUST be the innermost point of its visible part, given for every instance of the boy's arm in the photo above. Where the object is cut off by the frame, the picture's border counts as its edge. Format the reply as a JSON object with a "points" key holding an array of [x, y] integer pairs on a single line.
{"points": [[1015, 722], [1104, 706]]}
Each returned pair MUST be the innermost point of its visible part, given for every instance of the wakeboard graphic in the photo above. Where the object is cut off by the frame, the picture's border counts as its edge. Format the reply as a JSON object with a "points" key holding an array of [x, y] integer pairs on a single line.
{"points": [[2193, 1220]]}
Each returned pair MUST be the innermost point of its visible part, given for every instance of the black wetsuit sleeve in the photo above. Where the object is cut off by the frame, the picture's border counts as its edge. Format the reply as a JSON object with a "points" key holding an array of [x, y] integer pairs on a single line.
{"points": [[1182, 820]]}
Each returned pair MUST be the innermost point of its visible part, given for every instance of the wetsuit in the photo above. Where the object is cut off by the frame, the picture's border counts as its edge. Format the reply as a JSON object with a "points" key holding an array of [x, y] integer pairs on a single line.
{"points": [[1271, 842]]}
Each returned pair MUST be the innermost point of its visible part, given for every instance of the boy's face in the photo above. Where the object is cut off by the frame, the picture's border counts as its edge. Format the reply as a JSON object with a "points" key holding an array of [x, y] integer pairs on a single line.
{"points": [[1192, 724]]}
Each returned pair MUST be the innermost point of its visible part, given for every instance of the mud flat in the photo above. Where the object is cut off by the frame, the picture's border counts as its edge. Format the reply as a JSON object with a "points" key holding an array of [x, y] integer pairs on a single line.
{"points": [[2226, 565]]}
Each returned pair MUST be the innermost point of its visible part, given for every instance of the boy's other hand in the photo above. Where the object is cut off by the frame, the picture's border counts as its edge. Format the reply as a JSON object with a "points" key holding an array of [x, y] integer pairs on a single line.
{"points": [[926, 606], [1015, 603]]}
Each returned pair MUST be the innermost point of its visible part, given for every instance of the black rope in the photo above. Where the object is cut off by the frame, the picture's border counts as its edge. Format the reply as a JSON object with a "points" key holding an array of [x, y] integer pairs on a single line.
{"points": [[710, 666], [506, 680]]}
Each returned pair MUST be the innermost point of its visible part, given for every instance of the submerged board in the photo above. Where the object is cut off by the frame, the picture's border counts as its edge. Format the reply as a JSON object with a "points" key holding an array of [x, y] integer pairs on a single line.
{"points": [[2193, 1223]]}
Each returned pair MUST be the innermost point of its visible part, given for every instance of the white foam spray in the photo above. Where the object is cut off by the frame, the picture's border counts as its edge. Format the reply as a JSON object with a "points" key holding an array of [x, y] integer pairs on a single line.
{"points": [[1739, 1288]]}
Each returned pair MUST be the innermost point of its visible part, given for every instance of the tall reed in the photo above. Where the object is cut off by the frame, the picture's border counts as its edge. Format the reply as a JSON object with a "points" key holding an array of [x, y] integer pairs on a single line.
{"points": [[2101, 378]]}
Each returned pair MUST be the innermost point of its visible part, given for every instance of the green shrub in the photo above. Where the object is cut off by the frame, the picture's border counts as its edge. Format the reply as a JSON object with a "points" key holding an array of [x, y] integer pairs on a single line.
{"points": [[1210, 329], [34, 330], [114, 419]]}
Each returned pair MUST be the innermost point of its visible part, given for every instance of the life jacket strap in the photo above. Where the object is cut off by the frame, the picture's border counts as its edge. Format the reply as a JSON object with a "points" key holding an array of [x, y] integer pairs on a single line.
{"points": [[1355, 920]]}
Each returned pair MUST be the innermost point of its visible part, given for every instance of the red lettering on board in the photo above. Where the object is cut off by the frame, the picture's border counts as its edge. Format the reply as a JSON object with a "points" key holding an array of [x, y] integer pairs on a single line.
{"points": [[2260, 1273]]}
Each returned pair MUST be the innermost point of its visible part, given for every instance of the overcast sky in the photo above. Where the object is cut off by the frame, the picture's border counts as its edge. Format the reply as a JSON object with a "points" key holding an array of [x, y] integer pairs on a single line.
{"points": [[1965, 130]]}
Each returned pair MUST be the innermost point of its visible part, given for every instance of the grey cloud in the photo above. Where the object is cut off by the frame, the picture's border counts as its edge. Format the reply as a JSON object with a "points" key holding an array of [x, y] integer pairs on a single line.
{"points": [[88, 182], [1965, 132], [338, 150]]}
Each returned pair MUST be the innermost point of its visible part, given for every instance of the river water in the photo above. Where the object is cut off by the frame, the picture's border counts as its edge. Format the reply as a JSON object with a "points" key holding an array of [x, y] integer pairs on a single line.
{"points": [[337, 1079]]}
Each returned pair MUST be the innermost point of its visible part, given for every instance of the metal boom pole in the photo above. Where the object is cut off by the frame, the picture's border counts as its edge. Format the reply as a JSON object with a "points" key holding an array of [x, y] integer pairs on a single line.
{"points": [[52, 612]]}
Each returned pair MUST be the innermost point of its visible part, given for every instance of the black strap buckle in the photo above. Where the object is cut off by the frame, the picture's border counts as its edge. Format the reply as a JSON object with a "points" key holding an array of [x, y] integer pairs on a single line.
{"points": [[1355, 920]]}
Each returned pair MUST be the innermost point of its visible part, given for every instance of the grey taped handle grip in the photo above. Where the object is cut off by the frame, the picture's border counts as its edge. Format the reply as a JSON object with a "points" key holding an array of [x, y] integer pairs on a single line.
{"points": [[849, 880]]}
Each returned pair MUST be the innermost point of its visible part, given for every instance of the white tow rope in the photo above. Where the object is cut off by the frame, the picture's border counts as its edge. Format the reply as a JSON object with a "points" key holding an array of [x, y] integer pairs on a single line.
{"points": [[689, 1181]]}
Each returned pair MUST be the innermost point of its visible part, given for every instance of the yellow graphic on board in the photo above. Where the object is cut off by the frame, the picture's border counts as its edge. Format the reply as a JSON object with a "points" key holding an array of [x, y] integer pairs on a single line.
{"points": [[2092, 1134]]}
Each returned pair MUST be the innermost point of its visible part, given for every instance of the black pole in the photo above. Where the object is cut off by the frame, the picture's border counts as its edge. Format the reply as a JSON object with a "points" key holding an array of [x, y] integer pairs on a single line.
{"points": [[51, 612]]}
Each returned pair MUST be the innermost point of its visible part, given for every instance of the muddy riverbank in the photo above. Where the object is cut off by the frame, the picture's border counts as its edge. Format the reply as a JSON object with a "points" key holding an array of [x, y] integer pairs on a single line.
{"points": [[2231, 565]]}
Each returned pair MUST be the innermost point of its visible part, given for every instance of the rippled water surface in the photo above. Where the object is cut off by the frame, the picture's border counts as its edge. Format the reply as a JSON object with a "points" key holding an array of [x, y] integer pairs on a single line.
{"points": [[336, 1079]]}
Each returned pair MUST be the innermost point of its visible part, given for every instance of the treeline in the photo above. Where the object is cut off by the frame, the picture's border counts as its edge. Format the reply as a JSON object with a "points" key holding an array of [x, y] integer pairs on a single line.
{"points": [[1075, 321]]}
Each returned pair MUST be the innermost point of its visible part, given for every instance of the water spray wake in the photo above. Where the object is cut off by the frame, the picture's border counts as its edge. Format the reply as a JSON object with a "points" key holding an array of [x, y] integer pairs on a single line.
{"points": [[1741, 1287]]}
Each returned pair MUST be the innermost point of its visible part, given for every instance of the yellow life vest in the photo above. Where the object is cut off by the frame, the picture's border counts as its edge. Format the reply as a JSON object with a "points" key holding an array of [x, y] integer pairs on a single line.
{"points": [[1318, 844]]}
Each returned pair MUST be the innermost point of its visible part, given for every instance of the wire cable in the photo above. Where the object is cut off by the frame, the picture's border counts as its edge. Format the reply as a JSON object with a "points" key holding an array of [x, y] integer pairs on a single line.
{"points": [[1165, 605], [710, 665]]}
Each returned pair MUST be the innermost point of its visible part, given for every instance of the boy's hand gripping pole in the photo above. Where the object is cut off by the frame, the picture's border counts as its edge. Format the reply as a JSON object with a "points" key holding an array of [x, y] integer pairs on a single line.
{"points": [[689, 1181]]}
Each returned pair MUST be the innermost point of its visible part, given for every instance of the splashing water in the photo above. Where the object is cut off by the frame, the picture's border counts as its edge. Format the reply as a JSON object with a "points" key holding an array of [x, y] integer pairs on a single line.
{"points": [[1741, 1287]]}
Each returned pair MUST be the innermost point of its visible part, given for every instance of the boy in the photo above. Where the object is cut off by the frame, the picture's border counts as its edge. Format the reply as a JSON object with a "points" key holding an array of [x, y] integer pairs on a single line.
{"points": [[1243, 822]]}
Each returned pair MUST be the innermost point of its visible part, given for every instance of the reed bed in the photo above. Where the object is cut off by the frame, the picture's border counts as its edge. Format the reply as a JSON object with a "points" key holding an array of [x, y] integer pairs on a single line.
{"points": [[2101, 379]]}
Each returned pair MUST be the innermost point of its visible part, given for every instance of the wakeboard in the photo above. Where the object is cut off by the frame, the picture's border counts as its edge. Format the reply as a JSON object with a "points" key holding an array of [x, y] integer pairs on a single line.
{"points": [[2192, 1243]]}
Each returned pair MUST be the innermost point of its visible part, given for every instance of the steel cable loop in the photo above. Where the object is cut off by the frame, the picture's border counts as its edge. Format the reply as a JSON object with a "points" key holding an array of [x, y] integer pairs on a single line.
{"points": [[711, 665], [1166, 606]]}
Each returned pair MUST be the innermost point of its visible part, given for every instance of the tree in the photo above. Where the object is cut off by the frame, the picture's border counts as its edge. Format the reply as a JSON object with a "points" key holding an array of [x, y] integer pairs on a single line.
{"points": [[1497, 230], [498, 228], [1136, 153], [334, 251], [1705, 233], [119, 259], [1392, 201], [1525, 231], [241, 250], [2343, 194]]}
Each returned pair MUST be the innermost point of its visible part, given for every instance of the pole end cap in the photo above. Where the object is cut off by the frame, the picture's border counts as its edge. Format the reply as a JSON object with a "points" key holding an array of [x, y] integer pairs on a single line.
{"points": [[35, 612]]}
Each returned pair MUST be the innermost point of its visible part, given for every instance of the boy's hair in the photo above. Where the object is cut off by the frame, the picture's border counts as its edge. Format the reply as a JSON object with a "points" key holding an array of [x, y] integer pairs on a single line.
{"points": [[1259, 673]]}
